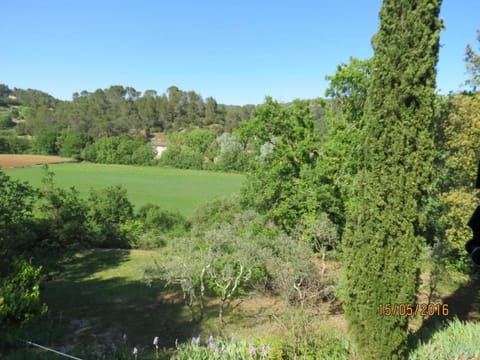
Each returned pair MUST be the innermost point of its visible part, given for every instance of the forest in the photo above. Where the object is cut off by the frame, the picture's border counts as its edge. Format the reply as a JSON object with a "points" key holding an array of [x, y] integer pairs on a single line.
{"points": [[376, 177]]}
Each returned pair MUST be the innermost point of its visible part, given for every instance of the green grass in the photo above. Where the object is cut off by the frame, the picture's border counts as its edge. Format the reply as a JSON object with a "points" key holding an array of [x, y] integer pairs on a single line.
{"points": [[458, 340], [99, 296], [173, 189]]}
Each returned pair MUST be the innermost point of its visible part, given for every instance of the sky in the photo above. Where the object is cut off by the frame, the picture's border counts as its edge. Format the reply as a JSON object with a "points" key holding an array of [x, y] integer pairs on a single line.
{"points": [[235, 51]]}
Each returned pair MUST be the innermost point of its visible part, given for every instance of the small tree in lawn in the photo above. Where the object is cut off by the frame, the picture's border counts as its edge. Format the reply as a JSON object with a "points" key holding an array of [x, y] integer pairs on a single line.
{"points": [[231, 259], [184, 267]]}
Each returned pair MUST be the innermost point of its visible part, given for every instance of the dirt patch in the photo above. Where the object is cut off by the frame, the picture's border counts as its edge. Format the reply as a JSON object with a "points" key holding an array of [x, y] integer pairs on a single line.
{"points": [[8, 161]]}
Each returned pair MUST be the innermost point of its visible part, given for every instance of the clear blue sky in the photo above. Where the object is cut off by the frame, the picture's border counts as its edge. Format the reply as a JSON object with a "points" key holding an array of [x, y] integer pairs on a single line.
{"points": [[235, 51]]}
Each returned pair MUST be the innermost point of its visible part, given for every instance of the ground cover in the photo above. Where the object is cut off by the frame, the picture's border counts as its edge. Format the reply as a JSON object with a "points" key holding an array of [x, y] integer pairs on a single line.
{"points": [[172, 189]]}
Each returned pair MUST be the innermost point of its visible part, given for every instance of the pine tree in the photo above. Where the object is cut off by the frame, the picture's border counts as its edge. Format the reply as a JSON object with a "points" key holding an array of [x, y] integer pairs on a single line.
{"points": [[382, 239]]}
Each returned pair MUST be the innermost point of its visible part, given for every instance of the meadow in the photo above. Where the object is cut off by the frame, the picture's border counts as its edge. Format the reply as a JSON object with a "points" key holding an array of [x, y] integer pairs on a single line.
{"points": [[171, 189]]}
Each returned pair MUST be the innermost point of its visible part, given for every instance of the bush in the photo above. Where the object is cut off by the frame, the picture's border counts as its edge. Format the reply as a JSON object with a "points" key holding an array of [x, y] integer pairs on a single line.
{"points": [[325, 346], [163, 221], [20, 295], [459, 340], [71, 145], [119, 150], [216, 211], [14, 145], [63, 216], [46, 141], [190, 150], [220, 348], [6, 121], [232, 155], [110, 209]]}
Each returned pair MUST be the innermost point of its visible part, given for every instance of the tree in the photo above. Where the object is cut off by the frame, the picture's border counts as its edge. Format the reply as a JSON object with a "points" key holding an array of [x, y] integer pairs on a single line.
{"points": [[19, 280], [46, 141], [16, 207], [63, 215], [462, 131], [20, 295], [194, 149], [473, 65], [109, 210], [382, 241], [339, 156], [282, 183]]}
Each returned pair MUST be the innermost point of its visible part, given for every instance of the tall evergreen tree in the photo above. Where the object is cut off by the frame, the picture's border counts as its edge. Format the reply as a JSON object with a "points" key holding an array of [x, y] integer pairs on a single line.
{"points": [[382, 240]]}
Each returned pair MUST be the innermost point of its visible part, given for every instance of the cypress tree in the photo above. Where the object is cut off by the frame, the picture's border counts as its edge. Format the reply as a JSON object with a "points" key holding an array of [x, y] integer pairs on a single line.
{"points": [[382, 241]]}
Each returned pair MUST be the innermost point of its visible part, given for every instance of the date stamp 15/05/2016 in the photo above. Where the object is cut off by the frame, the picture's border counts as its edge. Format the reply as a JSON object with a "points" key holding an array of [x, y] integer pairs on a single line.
{"points": [[422, 309]]}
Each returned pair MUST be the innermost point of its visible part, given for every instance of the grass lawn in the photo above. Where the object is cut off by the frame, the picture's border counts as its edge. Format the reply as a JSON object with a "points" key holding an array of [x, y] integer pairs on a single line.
{"points": [[174, 189], [99, 296]]}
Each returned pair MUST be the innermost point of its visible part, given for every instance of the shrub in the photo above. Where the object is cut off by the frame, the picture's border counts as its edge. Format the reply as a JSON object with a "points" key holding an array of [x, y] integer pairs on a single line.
{"points": [[458, 340], [6, 121], [63, 216], [220, 348], [119, 150], [110, 209], [190, 150], [216, 211], [20, 295], [14, 145], [71, 145], [163, 221], [46, 141]]}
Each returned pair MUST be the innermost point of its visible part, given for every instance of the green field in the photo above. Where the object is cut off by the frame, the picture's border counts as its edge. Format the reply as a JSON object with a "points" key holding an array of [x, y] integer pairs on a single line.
{"points": [[173, 189]]}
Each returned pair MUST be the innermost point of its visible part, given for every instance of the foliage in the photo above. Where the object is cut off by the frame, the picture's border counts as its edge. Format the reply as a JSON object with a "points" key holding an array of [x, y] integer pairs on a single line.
{"points": [[458, 340], [231, 258], [348, 88], [221, 348], [16, 205], [190, 150], [222, 259], [282, 183], [339, 158], [289, 266], [216, 212], [157, 226], [63, 216], [326, 345], [232, 156], [46, 141], [462, 131], [14, 145], [6, 121], [322, 233], [109, 210], [386, 219], [71, 144], [473, 65], [118, 150], [20, 295]]}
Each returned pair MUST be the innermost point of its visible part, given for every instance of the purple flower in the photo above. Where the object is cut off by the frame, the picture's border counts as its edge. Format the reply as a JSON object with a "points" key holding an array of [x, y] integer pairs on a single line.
{"points": [[252, 350], [210, 339], [224, 349], [264, 351], [196, 340]]}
